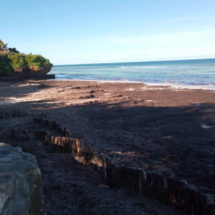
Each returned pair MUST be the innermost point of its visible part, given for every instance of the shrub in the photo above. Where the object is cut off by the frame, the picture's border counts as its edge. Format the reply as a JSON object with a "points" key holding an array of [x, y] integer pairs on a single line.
{"points": [[36, 61], [5, 63], [13, 50], [2, 45], [17, 61]]}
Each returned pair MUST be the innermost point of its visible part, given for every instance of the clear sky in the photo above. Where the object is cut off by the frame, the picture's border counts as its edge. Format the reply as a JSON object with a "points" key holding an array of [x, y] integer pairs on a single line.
{"points": [[103, 31]]}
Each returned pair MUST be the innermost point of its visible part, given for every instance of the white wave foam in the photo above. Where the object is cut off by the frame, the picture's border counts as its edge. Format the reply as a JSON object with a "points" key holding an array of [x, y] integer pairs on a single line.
{"points": [[205, 126], [142, 67], [175, 85], [148, 67]]}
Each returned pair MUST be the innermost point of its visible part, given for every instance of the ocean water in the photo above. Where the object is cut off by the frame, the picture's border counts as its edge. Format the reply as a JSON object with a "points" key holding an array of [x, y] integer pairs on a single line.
{"points": [[181, 73]]}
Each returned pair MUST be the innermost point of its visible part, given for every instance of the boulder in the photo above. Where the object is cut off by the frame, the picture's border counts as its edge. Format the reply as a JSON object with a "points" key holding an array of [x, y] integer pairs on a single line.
{"points": [[20, 183]]}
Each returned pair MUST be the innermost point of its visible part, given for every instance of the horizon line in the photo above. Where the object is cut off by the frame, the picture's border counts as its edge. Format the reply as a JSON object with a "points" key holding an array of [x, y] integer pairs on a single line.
{"points": [[133, 62]]}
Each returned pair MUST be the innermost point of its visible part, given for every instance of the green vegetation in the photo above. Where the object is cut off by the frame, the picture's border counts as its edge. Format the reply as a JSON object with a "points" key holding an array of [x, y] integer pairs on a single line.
{"points": [[2, 45], [13, 50], [17, 61], [4, 64], [13, 62], [36, 61]]}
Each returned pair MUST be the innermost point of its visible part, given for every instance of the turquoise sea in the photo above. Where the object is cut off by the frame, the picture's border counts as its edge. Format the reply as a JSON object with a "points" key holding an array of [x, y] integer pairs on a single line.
{"points": [[182, 73]]}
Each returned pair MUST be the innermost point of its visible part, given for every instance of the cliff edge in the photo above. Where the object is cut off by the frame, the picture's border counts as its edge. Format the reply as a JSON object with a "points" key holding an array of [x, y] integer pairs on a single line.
{"points": [[13, 63], [17, 64]]}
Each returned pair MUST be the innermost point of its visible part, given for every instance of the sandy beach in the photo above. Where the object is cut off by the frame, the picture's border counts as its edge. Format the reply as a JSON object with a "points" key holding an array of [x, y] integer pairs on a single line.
{"points": [[152, 127]]}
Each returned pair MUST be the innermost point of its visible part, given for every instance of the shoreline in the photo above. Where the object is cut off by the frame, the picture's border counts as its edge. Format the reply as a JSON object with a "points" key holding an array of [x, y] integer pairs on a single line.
{"points": [[188, 74], [171, 85]]}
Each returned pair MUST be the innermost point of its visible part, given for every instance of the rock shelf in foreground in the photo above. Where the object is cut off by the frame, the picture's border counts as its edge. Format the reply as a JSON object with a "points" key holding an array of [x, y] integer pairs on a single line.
{"points": [[20, 183]]}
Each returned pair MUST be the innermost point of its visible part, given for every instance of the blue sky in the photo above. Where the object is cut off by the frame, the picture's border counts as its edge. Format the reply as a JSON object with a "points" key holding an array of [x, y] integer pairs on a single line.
{"points": [[103, 31]]}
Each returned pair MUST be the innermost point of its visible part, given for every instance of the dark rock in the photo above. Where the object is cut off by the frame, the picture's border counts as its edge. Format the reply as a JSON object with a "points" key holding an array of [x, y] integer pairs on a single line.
{"points": [[41, 135], [87, 97], [76, 87]]}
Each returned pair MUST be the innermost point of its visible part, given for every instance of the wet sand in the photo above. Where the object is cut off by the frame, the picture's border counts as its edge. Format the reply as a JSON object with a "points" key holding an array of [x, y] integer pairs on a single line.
{"points": [[152, 127]]}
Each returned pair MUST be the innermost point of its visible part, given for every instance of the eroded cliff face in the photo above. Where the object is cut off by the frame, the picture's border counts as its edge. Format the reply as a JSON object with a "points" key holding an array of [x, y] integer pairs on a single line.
{"points": [[42, 71], [29, 72], [20, 183]]}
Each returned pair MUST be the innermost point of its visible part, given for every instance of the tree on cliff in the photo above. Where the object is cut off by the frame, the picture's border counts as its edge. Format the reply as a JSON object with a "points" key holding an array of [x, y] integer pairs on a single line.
{"points": [[3, 45], [14, 50]]}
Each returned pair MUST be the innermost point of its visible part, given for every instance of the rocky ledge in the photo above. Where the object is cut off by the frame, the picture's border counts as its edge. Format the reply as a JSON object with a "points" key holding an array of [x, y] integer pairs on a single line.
{"points": [[20, 64], [20, 183], [29, 72]]}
